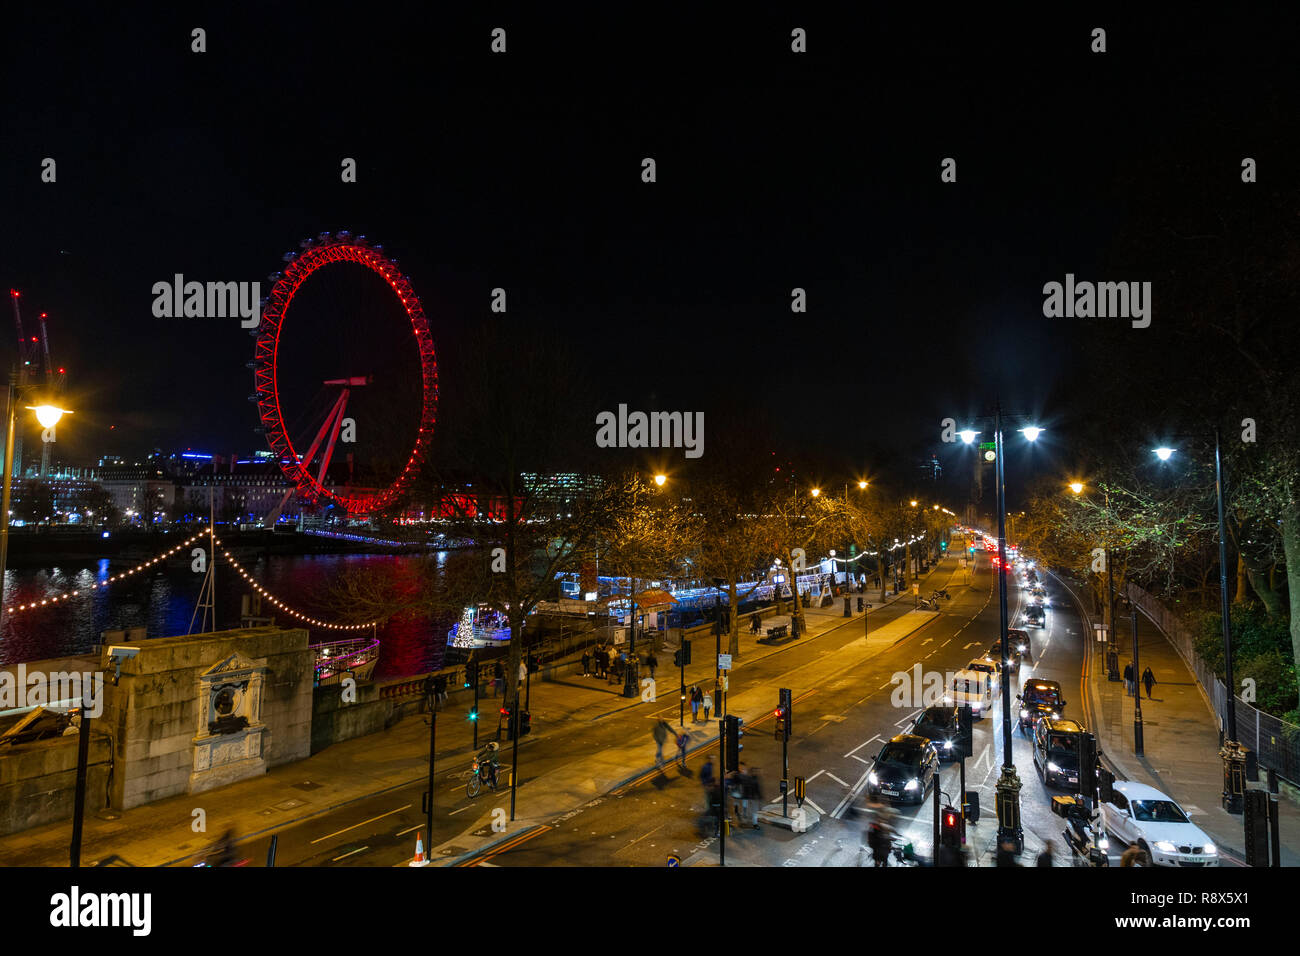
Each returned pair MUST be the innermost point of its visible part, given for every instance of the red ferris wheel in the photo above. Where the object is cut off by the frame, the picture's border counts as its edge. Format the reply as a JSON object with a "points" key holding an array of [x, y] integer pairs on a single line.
{"points": [[316, 255]]}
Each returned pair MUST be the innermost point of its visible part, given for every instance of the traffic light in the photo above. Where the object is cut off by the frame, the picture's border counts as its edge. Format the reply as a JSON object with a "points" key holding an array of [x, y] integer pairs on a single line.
{"points": [[686, 653], [1105, 785], [1088, 765], [787, 710], [1255, 819], [525, 723], [677, 659], [950, 828], [473, 716], [734, 729]]}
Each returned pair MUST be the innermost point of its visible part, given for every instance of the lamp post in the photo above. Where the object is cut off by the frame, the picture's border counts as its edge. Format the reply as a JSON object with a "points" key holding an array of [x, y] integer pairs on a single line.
{"points": [[1232, 754], [1008, 785], [48, 416]]}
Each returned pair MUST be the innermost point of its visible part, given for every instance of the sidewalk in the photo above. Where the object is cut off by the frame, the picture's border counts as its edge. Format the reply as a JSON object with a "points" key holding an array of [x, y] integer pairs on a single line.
{"points": [[1180, 738], [160, 834]]}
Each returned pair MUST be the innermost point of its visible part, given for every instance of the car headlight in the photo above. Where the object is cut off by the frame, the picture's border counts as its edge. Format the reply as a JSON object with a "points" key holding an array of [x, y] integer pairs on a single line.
{"points": [[947, 745], [1053, 767], [1024, 713], [1164, 846], [912, 784], [1210, 849], [873, 779]]}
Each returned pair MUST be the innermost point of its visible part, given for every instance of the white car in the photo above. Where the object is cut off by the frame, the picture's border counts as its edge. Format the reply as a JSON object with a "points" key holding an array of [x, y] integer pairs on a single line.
{"points": [[974, 688], [1142, 815], [991, 667]]}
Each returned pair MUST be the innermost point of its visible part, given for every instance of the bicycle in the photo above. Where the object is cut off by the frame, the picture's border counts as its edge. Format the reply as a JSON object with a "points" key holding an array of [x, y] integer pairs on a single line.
{"points": [[477, 771]]}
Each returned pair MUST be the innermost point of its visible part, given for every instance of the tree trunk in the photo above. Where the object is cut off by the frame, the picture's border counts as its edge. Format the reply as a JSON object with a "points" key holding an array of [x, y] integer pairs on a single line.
{"points": [[1259, 582], [1291, 545], [733, 637], [1242, 596]]}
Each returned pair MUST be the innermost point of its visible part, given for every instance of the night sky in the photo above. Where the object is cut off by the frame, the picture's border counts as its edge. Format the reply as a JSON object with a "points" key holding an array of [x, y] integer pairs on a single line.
{"points": [[522, 170]]}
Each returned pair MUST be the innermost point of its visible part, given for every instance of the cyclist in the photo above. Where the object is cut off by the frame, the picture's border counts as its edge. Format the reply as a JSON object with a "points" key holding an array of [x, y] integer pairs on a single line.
{"points": [[489, 762]]}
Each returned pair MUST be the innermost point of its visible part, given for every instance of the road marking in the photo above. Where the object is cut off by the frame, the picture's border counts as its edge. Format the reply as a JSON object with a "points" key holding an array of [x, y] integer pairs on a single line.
{"points": [[967, 647], [861, 745], [418, 826], [362, 823], [836, 779], [454, 812], [926, 641], [814, 806], [851, 795], [346, 855], [857, 758], [814, 777]]}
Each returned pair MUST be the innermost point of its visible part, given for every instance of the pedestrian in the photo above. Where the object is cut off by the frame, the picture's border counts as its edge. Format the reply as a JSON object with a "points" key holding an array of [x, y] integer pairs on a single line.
{"points": [[878, 841], [660, 735], [754, 624], [498, 679], [683, 739], [1045, 857], [1149, 679], [706, 774], [1006, 854], [523, 674], [1128, 679], [707, 704], [1134, 856], [696, 698], [651, 662], [586, 663], [439, 689], [753, 790], [602, 662]]}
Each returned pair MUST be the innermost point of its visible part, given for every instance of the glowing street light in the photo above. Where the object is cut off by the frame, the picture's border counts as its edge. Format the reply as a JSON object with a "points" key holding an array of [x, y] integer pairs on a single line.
{"points": [[1032, 432], [48, 415], [1163, 454], [1076, 487], [968, 435], [816, 492], [862, 486], [660, 479]]}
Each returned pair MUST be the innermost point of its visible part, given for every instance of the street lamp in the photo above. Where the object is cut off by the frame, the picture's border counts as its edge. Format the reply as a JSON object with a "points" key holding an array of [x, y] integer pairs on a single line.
{"points": [[660, 479], [1008, 785], [816, 492], [1232, 754], [48, 415]]}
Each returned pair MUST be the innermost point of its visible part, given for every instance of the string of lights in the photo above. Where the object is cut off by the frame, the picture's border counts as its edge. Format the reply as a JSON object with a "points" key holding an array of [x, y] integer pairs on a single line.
{"points": [[107, 581], [315, 622]]}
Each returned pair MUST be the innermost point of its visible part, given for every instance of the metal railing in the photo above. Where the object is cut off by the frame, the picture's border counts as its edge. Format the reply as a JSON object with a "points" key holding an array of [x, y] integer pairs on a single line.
{"points": [[1276, 743]]}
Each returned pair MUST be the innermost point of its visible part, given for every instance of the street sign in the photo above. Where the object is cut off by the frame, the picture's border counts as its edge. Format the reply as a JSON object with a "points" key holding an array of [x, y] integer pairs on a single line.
{"points": [[674, 860], [800, 789], [1101, 633], [988, 446], [724, 662]]}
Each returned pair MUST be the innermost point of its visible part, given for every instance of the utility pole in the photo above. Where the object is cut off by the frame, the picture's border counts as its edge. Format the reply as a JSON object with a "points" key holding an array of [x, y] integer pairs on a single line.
{"points": [[1008, 785], [432, 699], [1137, 692], [722, 793]]}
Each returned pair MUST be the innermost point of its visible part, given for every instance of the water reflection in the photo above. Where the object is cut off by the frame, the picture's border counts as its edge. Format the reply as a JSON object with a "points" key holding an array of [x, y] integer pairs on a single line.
{"points": [[162, 600]]}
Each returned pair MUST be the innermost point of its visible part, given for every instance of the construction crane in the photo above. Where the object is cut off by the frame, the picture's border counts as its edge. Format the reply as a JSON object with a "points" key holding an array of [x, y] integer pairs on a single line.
{"points": [[31, 351]]}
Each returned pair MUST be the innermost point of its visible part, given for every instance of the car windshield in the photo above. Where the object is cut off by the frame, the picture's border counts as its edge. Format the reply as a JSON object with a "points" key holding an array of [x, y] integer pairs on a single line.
{"points": [[1063, 745], [933, 726], [1158, 811], [895, 755], [986, 668], [1049, 696]]}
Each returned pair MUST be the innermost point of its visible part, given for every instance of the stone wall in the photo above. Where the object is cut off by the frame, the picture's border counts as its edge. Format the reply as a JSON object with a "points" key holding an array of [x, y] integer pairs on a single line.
{"points": [[154, 716], [333, 721], [38, 780]]}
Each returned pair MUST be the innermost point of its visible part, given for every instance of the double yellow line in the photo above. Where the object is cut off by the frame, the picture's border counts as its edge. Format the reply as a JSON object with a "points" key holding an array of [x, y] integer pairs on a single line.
{"points": [[508, 845]]}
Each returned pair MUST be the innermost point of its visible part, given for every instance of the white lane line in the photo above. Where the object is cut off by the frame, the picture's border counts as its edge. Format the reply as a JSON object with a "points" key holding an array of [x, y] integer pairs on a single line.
{"points": [[858, 759], [362, 823], [908, 719], [346, 855], [814, 777], [926, 641], [966, 647], [454, 812], [418, 826], [946, 643], [861, 745], [814, 806], [851, 795], [836, 779]]}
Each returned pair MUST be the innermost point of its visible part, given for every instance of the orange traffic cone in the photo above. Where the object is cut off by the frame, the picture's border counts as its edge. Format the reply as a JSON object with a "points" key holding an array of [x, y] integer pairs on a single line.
{"points": [[419, 852]]}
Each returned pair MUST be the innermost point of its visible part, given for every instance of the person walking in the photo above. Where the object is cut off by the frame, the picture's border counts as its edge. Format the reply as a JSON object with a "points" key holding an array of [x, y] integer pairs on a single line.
{"points": [[660, 735], [878, 841], [586, 663], [1045, 857], [602, 662], [1129, 677], [707, 704], [523, 675], [498, 679], [439, 689], [651, 662], [682, 740], [1149, 680], [1006, 854], [696, 698]]}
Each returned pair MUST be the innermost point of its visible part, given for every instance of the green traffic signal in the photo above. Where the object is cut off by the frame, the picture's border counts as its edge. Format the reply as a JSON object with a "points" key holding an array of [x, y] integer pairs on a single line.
{"points": [[473, 715]]}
